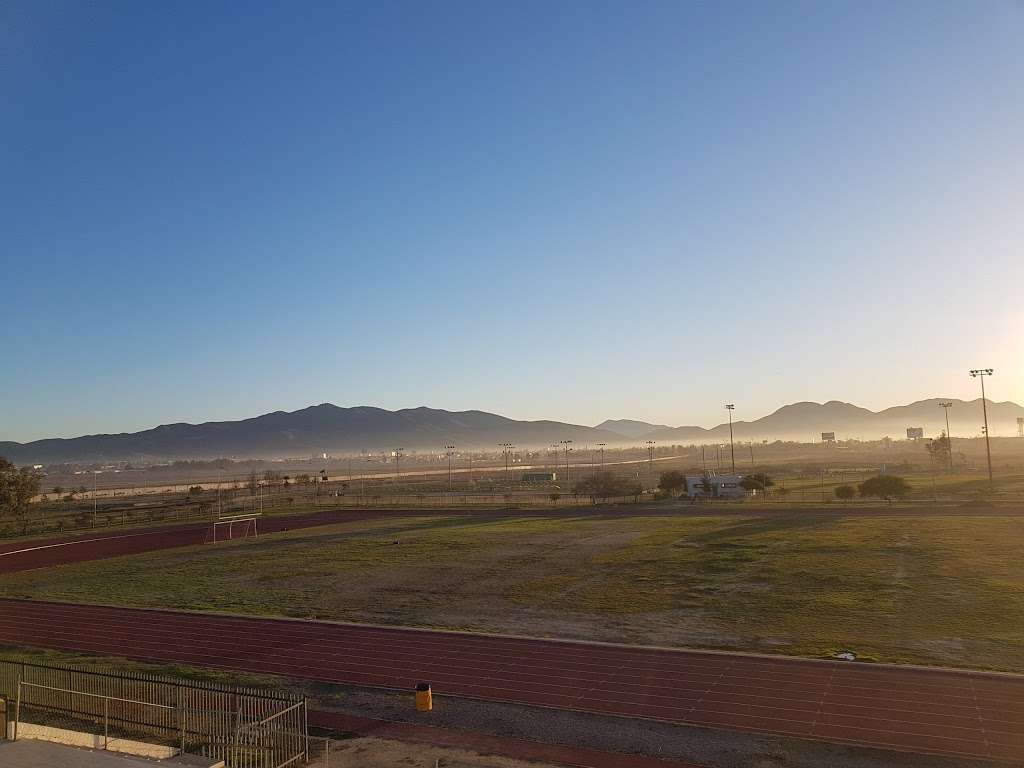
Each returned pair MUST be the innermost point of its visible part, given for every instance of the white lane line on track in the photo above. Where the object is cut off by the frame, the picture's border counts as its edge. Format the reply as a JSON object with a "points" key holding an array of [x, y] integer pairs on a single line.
{"points": [[78, 541]]}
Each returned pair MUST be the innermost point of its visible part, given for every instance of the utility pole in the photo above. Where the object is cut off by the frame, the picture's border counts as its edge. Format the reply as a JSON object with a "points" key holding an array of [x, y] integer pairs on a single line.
{"points": [[398, 465], [650, 454], [703, 459], [751, 446], [566, 444], [601, 447], [949, 437], [449, 451], [981, 373], [732, 450], [94, 473]]}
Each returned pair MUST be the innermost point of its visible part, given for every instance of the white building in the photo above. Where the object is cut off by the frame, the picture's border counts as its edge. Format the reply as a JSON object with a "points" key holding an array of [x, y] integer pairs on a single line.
{"points": [[715, 486]]}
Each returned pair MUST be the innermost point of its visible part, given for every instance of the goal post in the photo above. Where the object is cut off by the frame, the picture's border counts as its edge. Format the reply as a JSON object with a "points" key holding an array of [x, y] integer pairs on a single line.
{"points": [[247, 521]]}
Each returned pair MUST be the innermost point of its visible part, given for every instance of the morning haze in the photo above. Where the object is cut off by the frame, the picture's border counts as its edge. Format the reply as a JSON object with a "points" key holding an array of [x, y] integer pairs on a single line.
{"points": [[510, 384]]}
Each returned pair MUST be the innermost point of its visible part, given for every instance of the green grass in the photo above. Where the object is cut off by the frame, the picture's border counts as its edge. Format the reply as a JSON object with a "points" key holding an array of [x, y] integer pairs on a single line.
{"points": [[926, 589]]}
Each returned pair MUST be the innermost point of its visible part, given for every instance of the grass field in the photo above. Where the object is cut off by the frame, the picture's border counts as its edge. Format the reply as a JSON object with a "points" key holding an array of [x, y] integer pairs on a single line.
{"points": [[928, 589]]}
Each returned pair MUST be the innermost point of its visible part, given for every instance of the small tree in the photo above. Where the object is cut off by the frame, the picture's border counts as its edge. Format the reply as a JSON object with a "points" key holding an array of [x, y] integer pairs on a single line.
{"points": [[939, 450], [752, 483], [17, 488], [195, 490], [603, 485], [707, 485], [886, 487], [845, 492], [554, 497], [763, 479], [672, 481]]}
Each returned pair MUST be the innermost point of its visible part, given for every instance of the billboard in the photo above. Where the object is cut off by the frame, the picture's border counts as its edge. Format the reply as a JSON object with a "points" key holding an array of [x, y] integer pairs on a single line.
{"points": [[915, 433], [828, 437]]}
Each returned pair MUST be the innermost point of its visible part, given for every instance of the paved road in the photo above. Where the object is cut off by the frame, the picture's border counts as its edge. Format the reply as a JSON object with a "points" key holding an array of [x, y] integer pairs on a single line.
{"points": [[967, 714]]}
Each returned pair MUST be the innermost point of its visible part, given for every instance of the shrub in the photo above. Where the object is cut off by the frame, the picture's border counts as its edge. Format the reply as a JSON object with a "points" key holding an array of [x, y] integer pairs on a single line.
{"points": [[845, 492], [887, 487]]}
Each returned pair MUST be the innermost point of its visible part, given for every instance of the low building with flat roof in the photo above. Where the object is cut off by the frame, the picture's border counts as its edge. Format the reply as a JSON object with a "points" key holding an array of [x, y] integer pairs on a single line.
{"points": [[539, 477]]}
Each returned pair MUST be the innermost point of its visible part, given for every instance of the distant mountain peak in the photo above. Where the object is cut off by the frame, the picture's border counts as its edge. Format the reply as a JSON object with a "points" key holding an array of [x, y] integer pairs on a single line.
{"points": [[328, 428]]}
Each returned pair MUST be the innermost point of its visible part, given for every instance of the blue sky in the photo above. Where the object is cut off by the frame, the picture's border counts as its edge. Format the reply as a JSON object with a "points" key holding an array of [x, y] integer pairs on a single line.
{"points": [[564, 210]]}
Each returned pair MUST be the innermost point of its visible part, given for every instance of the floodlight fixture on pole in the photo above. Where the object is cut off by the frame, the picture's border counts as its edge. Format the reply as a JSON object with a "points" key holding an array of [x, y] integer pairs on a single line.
{"points": [[506, 449], [567, 445], [650, 453], [398, 465], [449, 451], [732, 450], [981, 373], [949, 437], [601, 447]]}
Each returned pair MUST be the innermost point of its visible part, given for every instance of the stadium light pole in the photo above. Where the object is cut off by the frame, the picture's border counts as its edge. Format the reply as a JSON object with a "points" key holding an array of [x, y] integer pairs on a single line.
{"points": [[650, 455], [398, 462], [601, 447], [981, 373], [566, 444], [506, 450], [732, 450], [949, 437], [449, 452]]}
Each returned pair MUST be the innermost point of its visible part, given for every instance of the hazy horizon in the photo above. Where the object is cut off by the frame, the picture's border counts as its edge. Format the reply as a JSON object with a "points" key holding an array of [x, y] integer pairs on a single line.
{"points": [[580, 212], [956, 416]]}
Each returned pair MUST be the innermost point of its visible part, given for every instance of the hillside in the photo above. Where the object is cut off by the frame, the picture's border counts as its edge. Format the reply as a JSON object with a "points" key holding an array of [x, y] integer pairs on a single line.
{"points": [[329, 428]]}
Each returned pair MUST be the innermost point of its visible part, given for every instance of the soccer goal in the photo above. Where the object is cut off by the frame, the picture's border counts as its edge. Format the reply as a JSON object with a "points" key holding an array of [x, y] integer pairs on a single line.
{"points": [[247, 523]]}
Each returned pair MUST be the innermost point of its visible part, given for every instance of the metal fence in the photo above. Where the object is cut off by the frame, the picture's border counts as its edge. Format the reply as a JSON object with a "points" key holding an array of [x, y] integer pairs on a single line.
{"points": [[244, 727]]}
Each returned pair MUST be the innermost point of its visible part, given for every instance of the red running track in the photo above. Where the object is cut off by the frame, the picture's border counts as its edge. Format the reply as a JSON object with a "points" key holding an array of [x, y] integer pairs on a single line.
{"points": [[45, 553], [958, 713]]}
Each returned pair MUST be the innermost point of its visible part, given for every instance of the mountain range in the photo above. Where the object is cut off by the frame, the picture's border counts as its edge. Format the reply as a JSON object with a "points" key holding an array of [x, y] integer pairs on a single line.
{"points": [[329, 428], [806, 421]]}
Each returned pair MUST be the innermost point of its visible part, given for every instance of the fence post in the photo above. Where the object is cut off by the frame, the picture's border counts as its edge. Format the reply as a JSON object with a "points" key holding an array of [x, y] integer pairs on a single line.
{"points": [[17, 710], [305, 726], [181, 717], [106, 721]]}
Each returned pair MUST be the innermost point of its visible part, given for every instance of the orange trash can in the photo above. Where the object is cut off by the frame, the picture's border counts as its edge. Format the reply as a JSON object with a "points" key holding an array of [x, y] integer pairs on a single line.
{"points": [[424, 698]]}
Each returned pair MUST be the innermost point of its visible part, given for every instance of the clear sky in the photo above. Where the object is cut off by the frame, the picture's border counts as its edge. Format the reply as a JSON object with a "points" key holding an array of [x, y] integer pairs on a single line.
{"points": [[565, 210]]}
